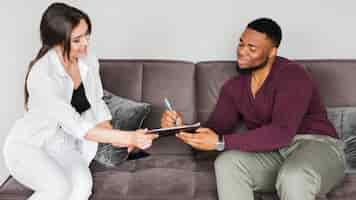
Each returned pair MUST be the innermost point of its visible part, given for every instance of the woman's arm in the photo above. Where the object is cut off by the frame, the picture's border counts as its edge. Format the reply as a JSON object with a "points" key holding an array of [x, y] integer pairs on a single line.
{"points": [[102, 112], [105, 124], [138, 138], [45, 98]]}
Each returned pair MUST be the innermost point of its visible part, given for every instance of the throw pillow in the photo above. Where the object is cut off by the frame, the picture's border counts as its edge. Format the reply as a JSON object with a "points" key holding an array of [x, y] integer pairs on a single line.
{"points": [[335, 117], [126, 115], [349, 136], [350, 152], [344, 120]]}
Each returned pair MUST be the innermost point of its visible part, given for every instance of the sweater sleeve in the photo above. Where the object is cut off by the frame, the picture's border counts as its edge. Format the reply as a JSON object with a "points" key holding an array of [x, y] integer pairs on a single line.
{"points": [[225, 116], [291, 101]]}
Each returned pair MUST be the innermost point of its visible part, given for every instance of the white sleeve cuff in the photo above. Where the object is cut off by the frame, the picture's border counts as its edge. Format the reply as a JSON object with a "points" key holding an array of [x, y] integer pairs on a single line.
{"points": [[103, 113], [83, 129]]}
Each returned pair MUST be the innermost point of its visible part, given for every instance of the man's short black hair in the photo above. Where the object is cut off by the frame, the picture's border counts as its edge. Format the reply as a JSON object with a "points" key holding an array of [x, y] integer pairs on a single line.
{"points": [[268, 27]]}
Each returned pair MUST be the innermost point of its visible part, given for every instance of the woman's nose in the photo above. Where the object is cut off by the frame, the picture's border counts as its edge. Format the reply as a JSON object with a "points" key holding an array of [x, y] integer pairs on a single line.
{"points": [[85, 41]]}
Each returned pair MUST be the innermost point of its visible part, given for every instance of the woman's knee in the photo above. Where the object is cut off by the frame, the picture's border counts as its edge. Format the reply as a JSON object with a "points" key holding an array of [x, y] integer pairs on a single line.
{"points": [[86, 186], [83, 182], [59, 189]]}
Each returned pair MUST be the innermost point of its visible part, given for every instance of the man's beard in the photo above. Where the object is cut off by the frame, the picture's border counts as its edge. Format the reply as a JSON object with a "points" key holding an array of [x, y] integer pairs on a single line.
{"points": [[251, 69]]}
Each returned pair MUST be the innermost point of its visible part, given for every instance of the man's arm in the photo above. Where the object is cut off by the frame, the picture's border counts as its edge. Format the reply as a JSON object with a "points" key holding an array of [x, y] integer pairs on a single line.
{"points": [[223, 119], [291, 103], [225, 115]]}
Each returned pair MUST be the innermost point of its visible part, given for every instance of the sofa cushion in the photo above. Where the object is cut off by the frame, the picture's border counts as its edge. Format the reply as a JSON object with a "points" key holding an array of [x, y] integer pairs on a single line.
{"points": [[11, 186], [126, 115], [335, 80], [150, 81], [209, 79], [211, 76], [113, 184], [153, 177], [152, 183], [183, 162], [175, 81], [122, 77]]}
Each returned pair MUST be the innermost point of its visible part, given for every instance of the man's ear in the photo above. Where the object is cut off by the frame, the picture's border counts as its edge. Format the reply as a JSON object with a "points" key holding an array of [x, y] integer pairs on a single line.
{"points": [[273, 52]]}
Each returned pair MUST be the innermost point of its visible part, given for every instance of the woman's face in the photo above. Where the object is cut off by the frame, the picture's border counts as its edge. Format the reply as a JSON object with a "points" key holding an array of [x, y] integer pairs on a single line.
{"points": [[79, 40]]}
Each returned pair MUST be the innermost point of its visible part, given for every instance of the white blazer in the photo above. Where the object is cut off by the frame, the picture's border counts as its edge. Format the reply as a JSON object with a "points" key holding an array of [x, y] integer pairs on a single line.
{"points": [[49, 105]]}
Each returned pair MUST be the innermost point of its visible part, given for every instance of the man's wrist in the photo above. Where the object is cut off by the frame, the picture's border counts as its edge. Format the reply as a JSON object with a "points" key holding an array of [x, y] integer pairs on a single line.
{"points": [[220, 145]]}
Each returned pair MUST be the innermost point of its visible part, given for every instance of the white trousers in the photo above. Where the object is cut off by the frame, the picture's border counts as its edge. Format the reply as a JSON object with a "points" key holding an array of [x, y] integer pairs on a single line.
{"points": [[60, 175]]}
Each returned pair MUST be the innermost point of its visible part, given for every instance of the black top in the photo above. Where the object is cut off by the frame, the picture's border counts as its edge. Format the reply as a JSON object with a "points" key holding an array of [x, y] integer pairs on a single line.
{"points": [[79, 99]]}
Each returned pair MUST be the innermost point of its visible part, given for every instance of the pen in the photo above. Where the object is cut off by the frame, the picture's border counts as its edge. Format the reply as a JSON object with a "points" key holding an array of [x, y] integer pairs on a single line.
{"points": [[169, 106]]}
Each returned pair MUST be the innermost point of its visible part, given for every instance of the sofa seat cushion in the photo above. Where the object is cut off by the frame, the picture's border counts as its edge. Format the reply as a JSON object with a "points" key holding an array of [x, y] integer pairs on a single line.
{"points": [[205, 160], [152, 183], [180, 162], [11, 187], [145, 183], [156, 177], [160, 183], [168, 146]]}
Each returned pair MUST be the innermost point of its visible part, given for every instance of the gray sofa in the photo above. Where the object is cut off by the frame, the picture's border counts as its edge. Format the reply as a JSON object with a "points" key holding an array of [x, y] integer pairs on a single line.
{"points": [[175, 171]]}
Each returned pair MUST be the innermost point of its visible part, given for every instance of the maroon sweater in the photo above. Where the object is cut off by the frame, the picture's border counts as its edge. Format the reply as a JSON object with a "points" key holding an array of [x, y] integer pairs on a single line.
{"points": [[288, 103]]}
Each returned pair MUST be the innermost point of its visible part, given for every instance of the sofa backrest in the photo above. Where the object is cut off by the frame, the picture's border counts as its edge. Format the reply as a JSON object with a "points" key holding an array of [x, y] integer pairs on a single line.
{"points": [[335, 78], [209, 79], [193, 89], [151, 81]]}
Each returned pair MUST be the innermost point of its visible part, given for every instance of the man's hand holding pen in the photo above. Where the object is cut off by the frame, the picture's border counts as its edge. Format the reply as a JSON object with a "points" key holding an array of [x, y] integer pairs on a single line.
{"points": [[202, 139], [170, 117]]}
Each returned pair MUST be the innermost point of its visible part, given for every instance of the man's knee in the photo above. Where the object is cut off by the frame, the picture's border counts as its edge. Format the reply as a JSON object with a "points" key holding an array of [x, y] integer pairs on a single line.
{"points": [[297, 178], [223, 160], [230, 160]]}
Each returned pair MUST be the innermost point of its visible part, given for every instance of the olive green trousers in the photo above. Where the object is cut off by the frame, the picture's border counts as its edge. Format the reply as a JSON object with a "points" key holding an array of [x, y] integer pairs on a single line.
{"points": [[311, 165]]}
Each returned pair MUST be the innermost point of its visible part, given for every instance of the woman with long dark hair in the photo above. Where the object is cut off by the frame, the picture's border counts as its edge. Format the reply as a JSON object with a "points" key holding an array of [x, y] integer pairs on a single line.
{"points": [[49, 149]]}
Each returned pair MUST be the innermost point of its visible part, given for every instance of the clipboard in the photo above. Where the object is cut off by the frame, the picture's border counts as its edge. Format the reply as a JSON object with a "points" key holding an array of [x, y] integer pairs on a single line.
{"points": [[171, 131]]}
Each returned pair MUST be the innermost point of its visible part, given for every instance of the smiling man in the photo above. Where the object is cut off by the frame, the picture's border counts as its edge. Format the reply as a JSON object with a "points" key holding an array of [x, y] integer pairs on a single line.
{"points": [[289, 146]]}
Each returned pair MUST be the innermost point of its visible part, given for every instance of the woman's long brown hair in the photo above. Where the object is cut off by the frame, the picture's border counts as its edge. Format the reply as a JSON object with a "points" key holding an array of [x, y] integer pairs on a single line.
{"points": [[56, 26]]}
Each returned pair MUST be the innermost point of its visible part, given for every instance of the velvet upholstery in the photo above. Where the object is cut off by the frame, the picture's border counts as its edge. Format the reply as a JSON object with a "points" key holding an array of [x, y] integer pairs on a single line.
{"points": [[174, 170]]}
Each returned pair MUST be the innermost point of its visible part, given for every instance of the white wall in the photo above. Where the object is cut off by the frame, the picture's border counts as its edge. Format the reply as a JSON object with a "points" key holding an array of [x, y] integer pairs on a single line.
{"points": [[172, 29]]}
